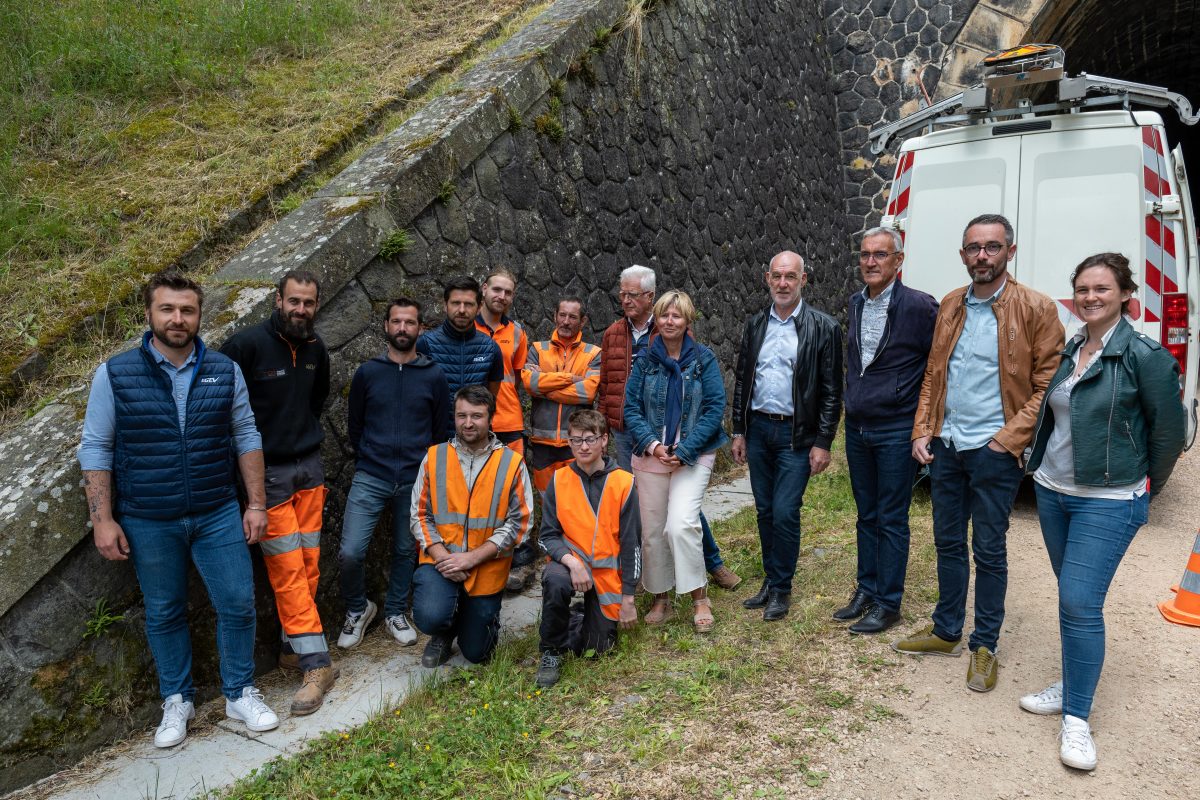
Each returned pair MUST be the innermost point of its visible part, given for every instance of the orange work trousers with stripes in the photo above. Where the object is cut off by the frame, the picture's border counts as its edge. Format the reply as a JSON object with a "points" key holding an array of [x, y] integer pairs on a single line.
{"points": [[291, 551]]}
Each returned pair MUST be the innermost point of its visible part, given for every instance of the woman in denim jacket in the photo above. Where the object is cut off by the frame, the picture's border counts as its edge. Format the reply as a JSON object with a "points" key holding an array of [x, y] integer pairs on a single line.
{"points": [[674, 405]]}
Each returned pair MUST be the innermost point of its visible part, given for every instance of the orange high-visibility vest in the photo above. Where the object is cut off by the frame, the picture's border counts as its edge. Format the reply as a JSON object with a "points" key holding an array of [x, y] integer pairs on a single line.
{"points": [[466, 518], [559, 378], [514, 345], [595, 536]]}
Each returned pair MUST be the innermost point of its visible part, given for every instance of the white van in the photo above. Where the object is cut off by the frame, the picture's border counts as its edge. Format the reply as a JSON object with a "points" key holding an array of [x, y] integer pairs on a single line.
{"points": [[1073, 183]]}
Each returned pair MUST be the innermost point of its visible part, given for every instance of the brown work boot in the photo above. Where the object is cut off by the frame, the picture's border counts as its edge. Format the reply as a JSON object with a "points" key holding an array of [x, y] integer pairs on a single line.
{"points": [[726, 578], [311, 694], [289, 661]]}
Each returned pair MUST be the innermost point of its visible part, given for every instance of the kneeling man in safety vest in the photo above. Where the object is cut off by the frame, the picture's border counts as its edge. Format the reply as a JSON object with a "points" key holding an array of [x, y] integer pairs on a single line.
{"points": [[592, 531], [472, 504]]}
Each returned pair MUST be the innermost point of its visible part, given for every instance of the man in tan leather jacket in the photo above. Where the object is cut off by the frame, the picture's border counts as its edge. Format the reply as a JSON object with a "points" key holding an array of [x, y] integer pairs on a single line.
{"points": [[996, 345]]}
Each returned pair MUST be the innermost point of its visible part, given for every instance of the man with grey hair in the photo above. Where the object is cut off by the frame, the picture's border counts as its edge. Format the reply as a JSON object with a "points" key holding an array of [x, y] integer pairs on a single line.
{"points": [[974, 420], [889, 334], [623, 341]]}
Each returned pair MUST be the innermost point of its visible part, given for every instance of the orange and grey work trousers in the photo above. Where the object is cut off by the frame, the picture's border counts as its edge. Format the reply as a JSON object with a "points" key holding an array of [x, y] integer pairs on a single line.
{"points": [[291, 550]]}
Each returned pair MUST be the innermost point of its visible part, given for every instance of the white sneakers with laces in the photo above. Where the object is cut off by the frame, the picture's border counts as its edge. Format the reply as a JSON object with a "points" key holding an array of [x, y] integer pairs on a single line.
{"points": [[177, 712], [355, 626], [1047, 701], [1076, 747], [251, 709], [400, 630]]}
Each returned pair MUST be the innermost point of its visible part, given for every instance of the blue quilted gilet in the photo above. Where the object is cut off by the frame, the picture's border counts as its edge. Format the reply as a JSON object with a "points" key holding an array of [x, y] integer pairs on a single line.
{"points": [[465, 358], [160, 472]]}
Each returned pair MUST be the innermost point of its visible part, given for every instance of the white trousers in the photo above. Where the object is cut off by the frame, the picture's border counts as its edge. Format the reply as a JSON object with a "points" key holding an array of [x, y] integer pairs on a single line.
{"points": [[672, 548]]}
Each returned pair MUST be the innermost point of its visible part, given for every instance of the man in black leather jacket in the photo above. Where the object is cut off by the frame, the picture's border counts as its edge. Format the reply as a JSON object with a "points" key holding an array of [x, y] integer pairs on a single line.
{"points": [[787, 398]]}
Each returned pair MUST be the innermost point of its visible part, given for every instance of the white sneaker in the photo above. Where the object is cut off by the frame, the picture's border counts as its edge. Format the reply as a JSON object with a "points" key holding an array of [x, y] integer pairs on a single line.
{"points": [[400, 630], [1047, 701], [355, 626], [252, 710], [1076, 748], [173, 728]]}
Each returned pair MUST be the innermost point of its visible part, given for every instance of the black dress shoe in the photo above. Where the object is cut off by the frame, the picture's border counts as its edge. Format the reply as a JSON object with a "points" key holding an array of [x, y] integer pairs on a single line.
{"points": [[877, 620], [759, 600], [777, 606], [437, 651], [859, 604]]}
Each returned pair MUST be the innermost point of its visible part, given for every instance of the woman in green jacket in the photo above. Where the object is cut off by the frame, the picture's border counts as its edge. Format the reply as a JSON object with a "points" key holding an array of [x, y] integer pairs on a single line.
{"points": [[1108, 435]]}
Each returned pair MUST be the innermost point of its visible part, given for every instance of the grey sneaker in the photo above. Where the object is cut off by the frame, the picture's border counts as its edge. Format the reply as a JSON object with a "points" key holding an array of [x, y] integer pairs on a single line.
{"points": [[1047, 701], [400, 630], [355, 626], [548, 670]]}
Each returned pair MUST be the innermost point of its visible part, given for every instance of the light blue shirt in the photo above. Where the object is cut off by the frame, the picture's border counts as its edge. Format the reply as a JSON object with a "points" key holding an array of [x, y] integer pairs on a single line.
{"points": [[776, 366], [974, 411], [873, 321], [100, 421]]}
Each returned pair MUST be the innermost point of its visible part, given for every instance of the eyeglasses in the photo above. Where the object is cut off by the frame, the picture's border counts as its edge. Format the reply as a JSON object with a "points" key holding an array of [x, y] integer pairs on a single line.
{"points": [[991, 248], [588, 440], [632, 295], [878, 255]]}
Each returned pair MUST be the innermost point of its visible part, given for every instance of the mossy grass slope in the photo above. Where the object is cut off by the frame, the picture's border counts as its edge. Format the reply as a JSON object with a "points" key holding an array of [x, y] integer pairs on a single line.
{"points": [[743, 712]]}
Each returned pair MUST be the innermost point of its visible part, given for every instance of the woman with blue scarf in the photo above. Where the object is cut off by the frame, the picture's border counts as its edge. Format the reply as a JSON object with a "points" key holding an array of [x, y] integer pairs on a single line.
{"points": [[674, 406]]}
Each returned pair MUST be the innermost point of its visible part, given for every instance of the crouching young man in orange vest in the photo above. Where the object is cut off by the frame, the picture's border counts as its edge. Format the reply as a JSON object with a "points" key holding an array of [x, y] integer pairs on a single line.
{"points": [[592, 531], [472, 504]]}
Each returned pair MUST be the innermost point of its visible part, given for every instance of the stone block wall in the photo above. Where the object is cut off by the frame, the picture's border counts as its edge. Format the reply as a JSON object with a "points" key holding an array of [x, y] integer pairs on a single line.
{"points": [[569, 154]]}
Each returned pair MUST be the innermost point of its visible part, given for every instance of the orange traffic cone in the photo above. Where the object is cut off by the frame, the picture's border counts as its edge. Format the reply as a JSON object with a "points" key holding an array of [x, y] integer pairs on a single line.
{"points": [[1184, 608]]}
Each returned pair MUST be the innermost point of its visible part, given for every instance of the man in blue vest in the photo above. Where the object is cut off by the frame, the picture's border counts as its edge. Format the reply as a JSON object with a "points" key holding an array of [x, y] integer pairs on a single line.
{"points": [[165, 423], [466, 355]]}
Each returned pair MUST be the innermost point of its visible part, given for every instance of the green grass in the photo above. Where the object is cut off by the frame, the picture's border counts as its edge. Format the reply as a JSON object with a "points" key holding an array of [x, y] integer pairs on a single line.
{"points": [[130, 131], [668, 713]]}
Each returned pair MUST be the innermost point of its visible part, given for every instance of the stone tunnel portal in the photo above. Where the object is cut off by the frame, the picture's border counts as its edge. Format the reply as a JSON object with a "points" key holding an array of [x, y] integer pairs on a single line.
{"points": [[1147, 42]]}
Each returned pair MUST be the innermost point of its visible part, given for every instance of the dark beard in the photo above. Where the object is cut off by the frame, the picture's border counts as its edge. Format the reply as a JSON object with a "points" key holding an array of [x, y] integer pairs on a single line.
{"points": [[300, 329], [161, 335], [395, 341]]}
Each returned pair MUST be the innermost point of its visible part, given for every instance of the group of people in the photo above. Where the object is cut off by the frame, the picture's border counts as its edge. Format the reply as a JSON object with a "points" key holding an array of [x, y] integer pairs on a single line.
{"points": [[191, 455]]}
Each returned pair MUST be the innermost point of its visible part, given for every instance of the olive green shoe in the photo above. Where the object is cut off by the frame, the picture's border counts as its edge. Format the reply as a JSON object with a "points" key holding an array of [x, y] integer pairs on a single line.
{"points": [[926, 643], [981, 670]]}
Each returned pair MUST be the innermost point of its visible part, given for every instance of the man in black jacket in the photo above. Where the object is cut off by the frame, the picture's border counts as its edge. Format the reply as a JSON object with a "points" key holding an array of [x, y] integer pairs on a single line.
{"points": [[399, 406], [787, 397], [287, 372], [890, 332]]}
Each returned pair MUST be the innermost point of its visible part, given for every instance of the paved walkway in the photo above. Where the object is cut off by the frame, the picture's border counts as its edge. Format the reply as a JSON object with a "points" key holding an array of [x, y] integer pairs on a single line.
{"points": [[217, 752]]}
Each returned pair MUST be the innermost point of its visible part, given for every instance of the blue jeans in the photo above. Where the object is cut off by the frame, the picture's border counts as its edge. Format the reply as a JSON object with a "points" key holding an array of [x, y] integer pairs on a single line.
{"points": [[364, 505], [623, 441], [778, 477], [214, 542], [1086, 538], [881, 476], [976, 486], [442, 607]]}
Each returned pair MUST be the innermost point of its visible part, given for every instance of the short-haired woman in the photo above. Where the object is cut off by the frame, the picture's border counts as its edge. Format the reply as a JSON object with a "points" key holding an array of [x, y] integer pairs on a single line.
{"points": [[1109, 432], [674, 405]]}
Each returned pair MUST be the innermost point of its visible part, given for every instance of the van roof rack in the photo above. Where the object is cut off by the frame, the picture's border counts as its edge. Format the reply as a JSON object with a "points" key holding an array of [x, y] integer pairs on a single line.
{"points": [[1027, 65]]}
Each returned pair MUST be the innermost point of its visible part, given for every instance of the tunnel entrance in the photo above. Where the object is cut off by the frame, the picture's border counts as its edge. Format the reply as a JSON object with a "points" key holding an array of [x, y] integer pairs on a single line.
{"points": [[1151, 43]]}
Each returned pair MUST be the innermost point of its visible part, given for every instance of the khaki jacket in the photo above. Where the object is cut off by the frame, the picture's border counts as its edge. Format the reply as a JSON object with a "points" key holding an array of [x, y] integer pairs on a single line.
{"points": [[1030, 340]]}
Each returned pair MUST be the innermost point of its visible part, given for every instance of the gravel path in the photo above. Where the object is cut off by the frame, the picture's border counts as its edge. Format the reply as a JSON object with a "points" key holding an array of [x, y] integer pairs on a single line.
{"points": [[950, 741]]}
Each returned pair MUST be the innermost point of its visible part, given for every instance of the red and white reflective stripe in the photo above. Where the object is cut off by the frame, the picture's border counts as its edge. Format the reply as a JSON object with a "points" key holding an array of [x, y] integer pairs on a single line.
{"points": [[898, 202], [1162, 274]]}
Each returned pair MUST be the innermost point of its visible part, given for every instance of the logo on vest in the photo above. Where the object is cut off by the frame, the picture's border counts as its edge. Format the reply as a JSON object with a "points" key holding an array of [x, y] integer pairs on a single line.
{"points": [[481, 359], [211, 379]]}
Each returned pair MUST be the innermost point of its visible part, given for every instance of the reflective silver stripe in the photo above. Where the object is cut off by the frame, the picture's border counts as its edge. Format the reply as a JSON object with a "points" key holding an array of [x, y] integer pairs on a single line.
{"points": [[454, 548], [310, 540], [307, 643], [578, 551], [449, 518], [1196, 546], [1190, 582], [279, 545], [608, 598], [508, 378], [612, 562], [441, 456], [498, 487], [581, 391]]}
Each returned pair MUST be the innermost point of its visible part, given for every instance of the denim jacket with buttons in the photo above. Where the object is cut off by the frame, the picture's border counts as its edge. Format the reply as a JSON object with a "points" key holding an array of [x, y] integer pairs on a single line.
{"points": [[703, 405]]}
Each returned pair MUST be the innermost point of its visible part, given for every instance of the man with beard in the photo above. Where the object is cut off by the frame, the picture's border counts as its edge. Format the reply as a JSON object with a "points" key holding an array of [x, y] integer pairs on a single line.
{"points": [[499, 289], [399, 406], [164, 424], [471, 505], [466, 356], [996, 346], [287, 371]]}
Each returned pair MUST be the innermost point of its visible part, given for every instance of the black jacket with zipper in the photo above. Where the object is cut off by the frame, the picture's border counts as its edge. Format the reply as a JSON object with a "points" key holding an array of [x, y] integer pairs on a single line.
{"points": [[288, 383], [816, 382]]}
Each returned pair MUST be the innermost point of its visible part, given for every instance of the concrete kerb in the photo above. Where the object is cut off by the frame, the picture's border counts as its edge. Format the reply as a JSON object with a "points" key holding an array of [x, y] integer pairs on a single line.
{"points": [[375, 677]]}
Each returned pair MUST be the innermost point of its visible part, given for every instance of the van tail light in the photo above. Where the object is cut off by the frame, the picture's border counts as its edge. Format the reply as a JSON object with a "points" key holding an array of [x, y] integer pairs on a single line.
{"points": [[1175, 327]]}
